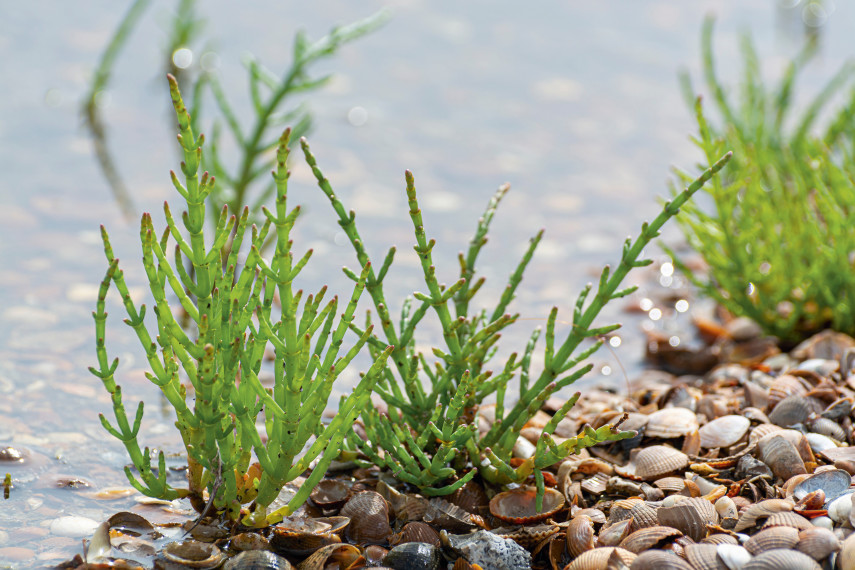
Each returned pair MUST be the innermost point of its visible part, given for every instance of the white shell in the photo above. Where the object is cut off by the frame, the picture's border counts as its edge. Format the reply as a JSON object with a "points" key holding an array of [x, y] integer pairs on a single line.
{"points": [[723, 431], [733, 556], [840, 508]]}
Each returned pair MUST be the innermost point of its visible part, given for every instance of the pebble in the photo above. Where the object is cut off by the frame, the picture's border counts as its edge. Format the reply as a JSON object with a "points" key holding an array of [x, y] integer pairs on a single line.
{"points": [[73, 526]]}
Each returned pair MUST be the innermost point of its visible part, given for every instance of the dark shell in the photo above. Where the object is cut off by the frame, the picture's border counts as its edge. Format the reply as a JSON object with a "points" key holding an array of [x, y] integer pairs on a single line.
{"points": [[415, 532], [413, 555], [330, 494], [471, 498], [518, 506], [369, 515], [189, 554], [443, 514], [301, 537]]}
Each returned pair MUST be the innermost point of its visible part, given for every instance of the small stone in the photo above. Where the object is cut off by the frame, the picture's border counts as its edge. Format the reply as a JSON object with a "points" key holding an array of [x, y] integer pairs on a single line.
{"points": [[73, 526]]}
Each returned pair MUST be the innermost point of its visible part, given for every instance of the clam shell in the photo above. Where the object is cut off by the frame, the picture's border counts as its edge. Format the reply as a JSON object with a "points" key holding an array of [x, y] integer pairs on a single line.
{"points": [[794, 409], [781, 456], [596, 515], [257, 560], [833, 483], [649, 537], [518, 506], [598, 558], [726, 508], [671, 422], [758, 432], [724, 431], [300, 537], [818, 543], [784, 386], [703, 557], [781, 560], [415, 531], [653, 462], [772, 538], [838, 409], [343, 554], [369, 514], [330, 494], [691, 517], [659, 560], [762, 510], [840, 508], [580, 536]]}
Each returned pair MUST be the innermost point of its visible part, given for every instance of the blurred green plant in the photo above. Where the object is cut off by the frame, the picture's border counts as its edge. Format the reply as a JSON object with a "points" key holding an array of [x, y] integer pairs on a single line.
{"points": [[237, 311], [779, 240], [429, 436], [271, 96]]}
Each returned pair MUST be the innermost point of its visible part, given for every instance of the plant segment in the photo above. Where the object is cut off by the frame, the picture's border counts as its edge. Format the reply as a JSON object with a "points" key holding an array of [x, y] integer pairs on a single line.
{"points": [[237, 309], [430, 437], [778, 241]]}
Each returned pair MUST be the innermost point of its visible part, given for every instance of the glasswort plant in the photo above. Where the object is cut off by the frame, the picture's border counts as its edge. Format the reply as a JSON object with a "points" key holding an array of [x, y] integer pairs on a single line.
{"points": [[237, 310]]}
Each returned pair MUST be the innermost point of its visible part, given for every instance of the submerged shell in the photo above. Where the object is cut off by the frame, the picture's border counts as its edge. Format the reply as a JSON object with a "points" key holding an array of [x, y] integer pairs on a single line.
{"points": [[518, 506], [724, 431], [258, 560], [488, 550], [192, 554]]}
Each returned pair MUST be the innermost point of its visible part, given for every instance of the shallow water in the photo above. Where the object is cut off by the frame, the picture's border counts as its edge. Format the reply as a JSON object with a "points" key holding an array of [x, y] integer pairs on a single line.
{"points": [[576, 105]]}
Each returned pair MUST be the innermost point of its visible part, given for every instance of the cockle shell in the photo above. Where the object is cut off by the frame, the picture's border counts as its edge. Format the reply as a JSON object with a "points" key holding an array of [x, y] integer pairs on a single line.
{"points": [[671, 422], [762, 510], [646, 538], [518, 506], [781, 559], [818, 543], [826, 427], [598, 558], [369, 514], [703, 557], [580, 535], [781, 456], [691, 517], [659, 560], [653, 462], [415, 531], [613, 534], [784, 386], [794, 409], [771, 538], [724, 431], [788, 519]]}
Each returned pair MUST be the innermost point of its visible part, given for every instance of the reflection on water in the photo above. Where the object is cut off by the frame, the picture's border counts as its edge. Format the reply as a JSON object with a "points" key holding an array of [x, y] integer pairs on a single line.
{"points": [[575, 104]]}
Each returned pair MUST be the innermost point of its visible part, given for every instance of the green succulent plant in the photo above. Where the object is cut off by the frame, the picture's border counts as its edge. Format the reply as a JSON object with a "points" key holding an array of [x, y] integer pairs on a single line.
{"points": [[778, 241]]}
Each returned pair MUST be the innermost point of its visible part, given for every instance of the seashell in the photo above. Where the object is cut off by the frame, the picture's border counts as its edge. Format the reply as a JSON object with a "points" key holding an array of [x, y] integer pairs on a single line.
{"points": [[296, 536], [720, 539], [622, 487], [374, 554], [650, 492], [780, 559], [771, 538], [846, 558], [598, 558], [249, 541], [523, 448], [703, 557], [405, 507], [413, 555], [818, 543], [762, 510], [596, 485], [330, 494], [416, 531], [784, 386], [488, 550], [528, 536], [595, 515], [833, 483], [755, 415], [819, 443], [649, 537], [692, 443], [823, 522], [724, 431], [613, 534], [643, 515], [827, 427], [691, 517], [827, 344], [781, 456], [788, 519], [794, 409], [840, 508], [471, 497], [735, 557], [518, 506], [443, 514], [344, 554], [257, 560], [840, 408], [653, 462], [621, 509], [579, 536], [671, 422], [726, 508], [671, 484], [369, 513], [659, 560], [758, 432], [190, 554]]}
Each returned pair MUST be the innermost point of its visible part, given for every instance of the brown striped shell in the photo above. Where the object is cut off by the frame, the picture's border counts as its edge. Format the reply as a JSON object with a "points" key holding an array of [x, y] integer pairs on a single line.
{"points": [[771, 538], [444, 515], [720, 539], [751, 516], [579, 535], [643, 515], [613, 534], [703, 557], [330, 494], [671, 484], [598, 558], [780, 559], [659, 560], [369, 514], [818, 543], [781, 456], [416, 531], [650, 537], [691, 517], [653, 462], [518, 506], [786, 385], [788, 519]]}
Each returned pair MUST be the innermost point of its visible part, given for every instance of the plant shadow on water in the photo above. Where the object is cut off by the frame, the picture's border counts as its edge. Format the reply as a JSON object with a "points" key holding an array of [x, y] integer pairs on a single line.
{"points": [[49, 403]]}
